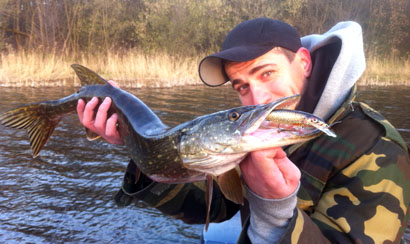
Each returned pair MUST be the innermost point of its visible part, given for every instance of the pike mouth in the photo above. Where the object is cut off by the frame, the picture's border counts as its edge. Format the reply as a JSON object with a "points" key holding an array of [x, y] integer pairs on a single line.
{"points": [[254, 121], [260, 133]]}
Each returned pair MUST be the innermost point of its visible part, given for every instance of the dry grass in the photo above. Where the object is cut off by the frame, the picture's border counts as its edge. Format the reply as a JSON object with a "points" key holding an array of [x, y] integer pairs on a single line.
{"points": [[134, 69], [33, 69], [386, 71]]}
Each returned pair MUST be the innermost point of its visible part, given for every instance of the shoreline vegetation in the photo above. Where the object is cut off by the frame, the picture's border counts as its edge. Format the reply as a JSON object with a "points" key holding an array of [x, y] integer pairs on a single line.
{"points": [[160, 43], [130, 70], [135, 69]]}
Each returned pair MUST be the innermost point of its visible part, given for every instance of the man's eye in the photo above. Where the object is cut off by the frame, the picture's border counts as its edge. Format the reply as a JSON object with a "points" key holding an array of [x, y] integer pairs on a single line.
{"points": [[242, 89], [267, 74]]}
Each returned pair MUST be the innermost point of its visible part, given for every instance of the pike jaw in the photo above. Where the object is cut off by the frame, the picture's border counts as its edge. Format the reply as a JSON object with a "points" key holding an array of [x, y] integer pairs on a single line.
{"points": [[215, 143]]}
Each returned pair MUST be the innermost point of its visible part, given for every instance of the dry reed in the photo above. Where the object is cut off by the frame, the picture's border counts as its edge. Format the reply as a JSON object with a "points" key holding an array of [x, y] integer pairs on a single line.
{"points": [[132, 69], [135, 69], [386, 72]]}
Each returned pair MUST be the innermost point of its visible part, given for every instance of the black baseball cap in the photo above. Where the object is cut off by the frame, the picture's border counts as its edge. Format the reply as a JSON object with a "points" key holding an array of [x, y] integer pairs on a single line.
{"points": [[248, 40]]}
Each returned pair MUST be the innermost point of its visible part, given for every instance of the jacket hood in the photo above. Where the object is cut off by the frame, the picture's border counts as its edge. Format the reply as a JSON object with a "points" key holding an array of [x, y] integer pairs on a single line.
{"points": [[338, 62]]}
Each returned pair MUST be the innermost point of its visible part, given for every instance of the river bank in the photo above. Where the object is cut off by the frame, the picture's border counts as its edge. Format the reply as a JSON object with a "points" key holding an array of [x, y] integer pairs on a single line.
{"points": [[135, 69]]}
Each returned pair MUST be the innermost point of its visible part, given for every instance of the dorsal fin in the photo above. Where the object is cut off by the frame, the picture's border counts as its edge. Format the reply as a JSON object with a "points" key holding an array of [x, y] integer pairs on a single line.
{"points": [[87, 76]]}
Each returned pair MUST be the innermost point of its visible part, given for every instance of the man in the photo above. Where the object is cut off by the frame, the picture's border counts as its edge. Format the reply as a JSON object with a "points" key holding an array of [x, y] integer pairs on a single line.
{"points": [[353, 188]]}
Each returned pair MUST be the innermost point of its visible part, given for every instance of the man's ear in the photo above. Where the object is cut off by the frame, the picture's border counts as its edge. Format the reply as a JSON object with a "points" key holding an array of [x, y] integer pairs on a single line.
{"points": [[303, 55]]}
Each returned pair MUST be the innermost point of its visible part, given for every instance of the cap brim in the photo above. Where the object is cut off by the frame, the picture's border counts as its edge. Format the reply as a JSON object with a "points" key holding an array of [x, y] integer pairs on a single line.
{"points": [[211, 70]]}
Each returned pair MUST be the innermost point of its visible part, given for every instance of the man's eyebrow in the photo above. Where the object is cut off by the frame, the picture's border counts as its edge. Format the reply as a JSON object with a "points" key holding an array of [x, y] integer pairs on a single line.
{"points": [[254, 70]]}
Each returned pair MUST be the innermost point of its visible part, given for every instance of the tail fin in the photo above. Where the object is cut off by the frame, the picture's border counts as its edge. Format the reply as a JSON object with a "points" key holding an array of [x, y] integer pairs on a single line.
{"points": [[87, 76], [35, 119]]}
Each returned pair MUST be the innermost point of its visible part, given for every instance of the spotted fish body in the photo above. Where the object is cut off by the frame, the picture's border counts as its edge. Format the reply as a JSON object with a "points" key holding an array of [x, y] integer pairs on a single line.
{"points": [[208, 147]]}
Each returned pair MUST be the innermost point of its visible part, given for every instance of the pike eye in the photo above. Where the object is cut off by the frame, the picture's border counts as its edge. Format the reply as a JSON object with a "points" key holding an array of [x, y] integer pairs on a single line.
{"points": [[234, 116]]}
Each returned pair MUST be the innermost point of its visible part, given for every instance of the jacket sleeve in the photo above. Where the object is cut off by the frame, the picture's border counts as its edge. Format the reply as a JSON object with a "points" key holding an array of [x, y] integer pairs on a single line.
{"points": [[181, 201], [368, 196]]}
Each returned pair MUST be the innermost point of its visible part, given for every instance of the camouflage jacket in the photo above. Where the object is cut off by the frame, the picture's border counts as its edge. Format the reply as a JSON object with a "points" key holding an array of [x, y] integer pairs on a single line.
{"points": [[355, 188]]}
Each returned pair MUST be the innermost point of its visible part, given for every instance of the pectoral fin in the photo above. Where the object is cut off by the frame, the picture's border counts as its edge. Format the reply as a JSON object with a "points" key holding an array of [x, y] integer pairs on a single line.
{"points": [[91, 136], [231, 186], [208, 198]]}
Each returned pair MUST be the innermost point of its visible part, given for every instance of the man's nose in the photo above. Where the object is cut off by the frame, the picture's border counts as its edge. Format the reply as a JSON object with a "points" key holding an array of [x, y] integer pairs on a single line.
{"points": [[261, 95]]}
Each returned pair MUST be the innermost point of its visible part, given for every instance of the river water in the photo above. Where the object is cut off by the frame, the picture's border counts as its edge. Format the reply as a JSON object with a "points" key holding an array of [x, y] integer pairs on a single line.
{"points": [[66, 194]]}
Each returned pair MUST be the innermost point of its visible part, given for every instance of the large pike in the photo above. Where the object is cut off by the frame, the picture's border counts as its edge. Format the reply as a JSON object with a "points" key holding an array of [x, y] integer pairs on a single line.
{"points": [[208, 147]]}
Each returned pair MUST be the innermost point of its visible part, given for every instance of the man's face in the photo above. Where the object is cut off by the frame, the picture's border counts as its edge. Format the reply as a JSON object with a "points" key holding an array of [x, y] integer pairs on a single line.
{"points": [[269, 77]]}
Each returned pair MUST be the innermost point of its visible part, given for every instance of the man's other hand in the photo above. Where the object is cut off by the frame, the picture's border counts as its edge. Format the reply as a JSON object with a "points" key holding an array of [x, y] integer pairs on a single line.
{"points": [[99, 123]]}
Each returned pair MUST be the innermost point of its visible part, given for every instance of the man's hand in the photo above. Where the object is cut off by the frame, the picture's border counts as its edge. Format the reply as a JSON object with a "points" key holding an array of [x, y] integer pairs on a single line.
{"points": [[270, 174], [98, 123]]}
